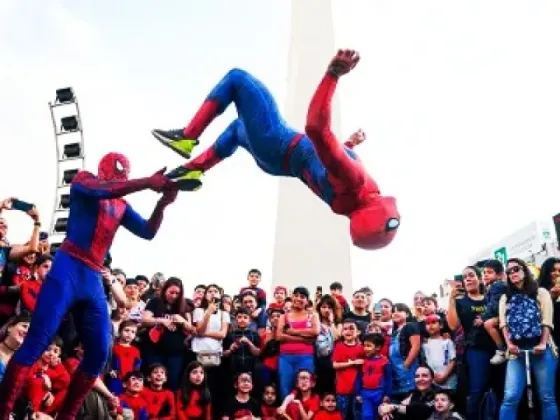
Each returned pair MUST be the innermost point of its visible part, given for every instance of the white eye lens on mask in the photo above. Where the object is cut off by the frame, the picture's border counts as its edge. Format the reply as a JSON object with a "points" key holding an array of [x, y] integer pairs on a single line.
{"points": [[119, 166], [392, 224]]}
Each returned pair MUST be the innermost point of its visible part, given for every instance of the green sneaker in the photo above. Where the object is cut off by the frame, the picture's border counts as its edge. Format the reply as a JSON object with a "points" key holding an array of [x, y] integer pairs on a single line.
{"points": [[176, 141], [186, 179]]}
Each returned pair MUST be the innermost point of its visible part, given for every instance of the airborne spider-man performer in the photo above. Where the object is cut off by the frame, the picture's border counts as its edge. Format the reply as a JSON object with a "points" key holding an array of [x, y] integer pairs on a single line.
{"points": [[331, 170], [74, 283]]}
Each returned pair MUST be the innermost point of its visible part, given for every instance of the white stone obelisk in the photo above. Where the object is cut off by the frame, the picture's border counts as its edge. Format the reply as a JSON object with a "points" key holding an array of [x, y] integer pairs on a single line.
{"points": [[312, 246]]}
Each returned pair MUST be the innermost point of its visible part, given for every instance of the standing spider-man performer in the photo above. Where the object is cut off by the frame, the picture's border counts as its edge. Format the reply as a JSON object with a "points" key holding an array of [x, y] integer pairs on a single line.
{"points": [[97, 209], [332, 171]]}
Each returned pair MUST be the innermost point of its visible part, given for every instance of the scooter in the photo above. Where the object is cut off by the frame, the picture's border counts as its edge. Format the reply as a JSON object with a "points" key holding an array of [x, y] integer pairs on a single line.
{"points": [[530, 401]]}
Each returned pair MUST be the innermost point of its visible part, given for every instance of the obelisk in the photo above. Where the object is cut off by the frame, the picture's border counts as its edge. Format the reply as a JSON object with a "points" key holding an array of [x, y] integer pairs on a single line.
{"points": [[312, 245]]}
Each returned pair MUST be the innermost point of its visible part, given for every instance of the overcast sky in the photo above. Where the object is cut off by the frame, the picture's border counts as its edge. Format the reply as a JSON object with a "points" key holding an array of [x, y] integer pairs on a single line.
{"points": [[461, 101]]}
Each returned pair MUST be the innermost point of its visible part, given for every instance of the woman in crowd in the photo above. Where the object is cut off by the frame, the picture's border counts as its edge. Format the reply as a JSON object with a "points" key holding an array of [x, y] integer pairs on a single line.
{"points": [[212, 324], [526, 321], [549, 279], [418, 404], [466, 305], [330, 317], [297, 331], [404, 350], [165, 316], [15, 332]]}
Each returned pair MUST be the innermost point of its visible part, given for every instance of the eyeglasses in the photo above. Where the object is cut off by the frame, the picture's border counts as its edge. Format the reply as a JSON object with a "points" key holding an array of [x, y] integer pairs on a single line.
{"points": [[514, 269]]}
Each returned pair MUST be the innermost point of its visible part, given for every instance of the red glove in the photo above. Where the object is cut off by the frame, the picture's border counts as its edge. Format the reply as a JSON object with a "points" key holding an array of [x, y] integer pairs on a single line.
{"points": [[169, 196], [343, 62], [158, 182]]}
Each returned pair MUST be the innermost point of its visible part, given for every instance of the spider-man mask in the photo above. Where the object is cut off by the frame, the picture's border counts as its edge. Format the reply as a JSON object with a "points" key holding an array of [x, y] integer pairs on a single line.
{"points": [[114, 167]]}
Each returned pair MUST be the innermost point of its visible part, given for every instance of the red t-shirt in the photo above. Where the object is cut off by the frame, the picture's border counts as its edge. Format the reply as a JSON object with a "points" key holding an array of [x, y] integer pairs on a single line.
{"points": [[346, 377], [328, 415]]}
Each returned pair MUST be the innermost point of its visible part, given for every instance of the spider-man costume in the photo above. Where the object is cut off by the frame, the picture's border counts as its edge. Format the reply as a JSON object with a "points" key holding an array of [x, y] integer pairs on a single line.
{"points": [[97, 209], [333, 172]]}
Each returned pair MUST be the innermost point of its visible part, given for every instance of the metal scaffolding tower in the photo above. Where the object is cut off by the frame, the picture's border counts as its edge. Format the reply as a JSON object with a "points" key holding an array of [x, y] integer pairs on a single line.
{"points": [[70, 158]]}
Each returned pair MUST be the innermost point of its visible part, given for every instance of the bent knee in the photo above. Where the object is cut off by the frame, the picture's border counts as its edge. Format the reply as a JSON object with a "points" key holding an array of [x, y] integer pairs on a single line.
{"points": [[491, 323], [238, 74]]}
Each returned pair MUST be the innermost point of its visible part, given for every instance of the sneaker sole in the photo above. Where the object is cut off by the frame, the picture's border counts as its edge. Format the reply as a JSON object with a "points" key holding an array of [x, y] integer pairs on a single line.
{"points": [[188, 184], [165, 141]]}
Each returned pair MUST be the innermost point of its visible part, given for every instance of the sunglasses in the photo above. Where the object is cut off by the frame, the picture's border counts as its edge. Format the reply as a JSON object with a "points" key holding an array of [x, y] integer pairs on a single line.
{"points": [[514, 269]]}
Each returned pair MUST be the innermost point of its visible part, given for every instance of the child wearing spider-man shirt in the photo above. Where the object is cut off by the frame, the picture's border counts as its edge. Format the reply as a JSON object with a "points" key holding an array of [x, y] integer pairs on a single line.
{"points": [[125, 358], [31, 286], [161, 402], [48, 381], [254, 278], [373, 384], [132, 398]]}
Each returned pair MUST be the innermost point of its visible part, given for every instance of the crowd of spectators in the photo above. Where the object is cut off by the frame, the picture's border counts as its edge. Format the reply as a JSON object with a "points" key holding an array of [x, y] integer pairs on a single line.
{"points": [[184, 352]]}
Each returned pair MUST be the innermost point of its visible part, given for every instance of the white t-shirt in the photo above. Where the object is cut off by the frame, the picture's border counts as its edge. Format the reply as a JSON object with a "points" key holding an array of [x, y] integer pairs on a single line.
{"points": [[208, 344], [439, 353], [136, 311]]}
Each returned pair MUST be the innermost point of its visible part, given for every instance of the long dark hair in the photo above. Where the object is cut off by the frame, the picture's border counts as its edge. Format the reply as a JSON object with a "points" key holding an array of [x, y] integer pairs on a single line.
{"points": [[177, 307], [545, 280], [204, 304], [530, 286], [187, 387], [332, 303]]}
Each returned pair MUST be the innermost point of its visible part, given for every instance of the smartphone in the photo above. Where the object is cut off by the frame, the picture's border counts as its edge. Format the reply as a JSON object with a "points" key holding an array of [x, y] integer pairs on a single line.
{"points": [[377, 309], [21, 205]]}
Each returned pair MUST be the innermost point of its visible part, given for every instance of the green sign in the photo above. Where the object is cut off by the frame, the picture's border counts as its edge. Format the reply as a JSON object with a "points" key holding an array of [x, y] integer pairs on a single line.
{"points": [[501, 255]]}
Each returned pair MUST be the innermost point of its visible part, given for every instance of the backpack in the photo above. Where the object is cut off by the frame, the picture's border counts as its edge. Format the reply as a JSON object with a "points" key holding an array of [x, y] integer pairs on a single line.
{"points": [[523, 317], [324, 343]]}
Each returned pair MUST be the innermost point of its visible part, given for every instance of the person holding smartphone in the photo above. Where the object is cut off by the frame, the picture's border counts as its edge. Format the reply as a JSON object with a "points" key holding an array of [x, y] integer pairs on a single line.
{"points": [[9, 292], [466, 305]]}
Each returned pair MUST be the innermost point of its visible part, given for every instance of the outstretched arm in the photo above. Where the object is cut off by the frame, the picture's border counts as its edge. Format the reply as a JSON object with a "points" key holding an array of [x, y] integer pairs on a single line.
{"points": [[147, 229], [87, 184], [318, 126]]}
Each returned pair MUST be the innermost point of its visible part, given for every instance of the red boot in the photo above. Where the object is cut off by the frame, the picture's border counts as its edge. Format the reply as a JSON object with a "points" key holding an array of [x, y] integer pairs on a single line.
{"points": [[10, 388], [79, 388]]}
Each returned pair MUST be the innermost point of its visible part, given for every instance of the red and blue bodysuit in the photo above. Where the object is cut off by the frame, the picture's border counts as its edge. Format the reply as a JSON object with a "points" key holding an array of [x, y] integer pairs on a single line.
{"points": [[74, 282], [331, 170]]}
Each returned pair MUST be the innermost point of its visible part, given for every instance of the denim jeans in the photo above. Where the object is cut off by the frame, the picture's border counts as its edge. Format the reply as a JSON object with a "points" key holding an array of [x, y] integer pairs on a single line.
{"points": [[288, 367], [348, 407], [543, 367], [478, 366]]}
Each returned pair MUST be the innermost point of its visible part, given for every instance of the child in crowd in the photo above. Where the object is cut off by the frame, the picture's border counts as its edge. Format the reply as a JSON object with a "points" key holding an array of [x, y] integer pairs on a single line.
{"points": [[193, 397], [431, 308], [242, 405], [348, 357], [336, 291], [48, 381], [132, 398], [136, 305], [161, 402], [302, 403], [443, 407], [31, 284], [242, 344], [125, 358], [376, 328], [254, 278], [270, 349], [258, 319], [373, 384], [328, 409], [287, 305], [492, 275], [440, 354], [269, 406], [280, 295], [117, 316]]}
